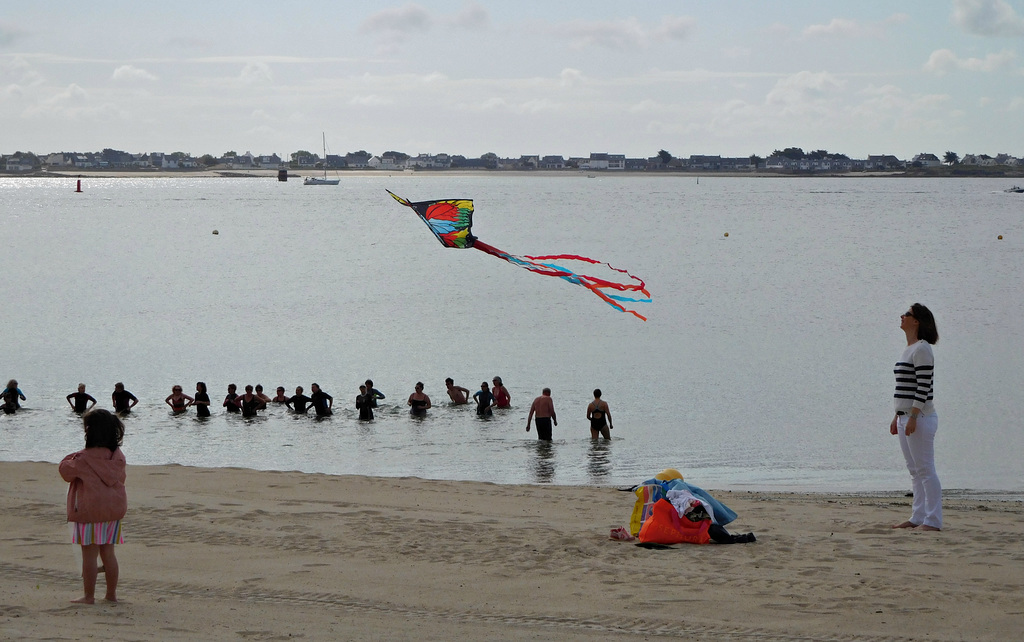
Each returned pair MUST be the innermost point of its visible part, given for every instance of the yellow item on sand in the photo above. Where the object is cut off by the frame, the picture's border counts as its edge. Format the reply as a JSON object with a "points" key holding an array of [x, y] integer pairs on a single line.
{"points": [[669, 474]]}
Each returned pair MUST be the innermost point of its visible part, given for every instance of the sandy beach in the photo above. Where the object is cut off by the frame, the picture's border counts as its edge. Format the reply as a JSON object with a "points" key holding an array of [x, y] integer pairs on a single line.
{"points": [[223, 554]]}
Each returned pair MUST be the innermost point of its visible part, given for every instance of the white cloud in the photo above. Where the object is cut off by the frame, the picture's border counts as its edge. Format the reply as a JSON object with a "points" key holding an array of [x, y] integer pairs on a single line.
{"points": [[803, 91], [9, 34], [846, 28], [472, 16], [838, 26], [943, 61], [409, 18], [256, 73], [624, 34], [987, 18], [129, 73], [570, 77], [370, 101]]}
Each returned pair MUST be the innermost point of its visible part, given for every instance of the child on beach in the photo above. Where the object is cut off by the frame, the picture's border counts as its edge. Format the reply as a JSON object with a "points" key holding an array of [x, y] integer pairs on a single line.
{"points": [[97, 501]]}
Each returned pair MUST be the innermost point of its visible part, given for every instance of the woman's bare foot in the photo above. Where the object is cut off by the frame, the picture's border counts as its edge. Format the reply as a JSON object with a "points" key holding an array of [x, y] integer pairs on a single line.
{"points": [[84, 600], [926, 527], [905, 525]]}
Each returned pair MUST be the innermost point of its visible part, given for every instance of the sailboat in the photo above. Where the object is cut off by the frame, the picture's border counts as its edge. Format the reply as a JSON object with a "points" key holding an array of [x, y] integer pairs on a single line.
{"points": [[316, 180]]}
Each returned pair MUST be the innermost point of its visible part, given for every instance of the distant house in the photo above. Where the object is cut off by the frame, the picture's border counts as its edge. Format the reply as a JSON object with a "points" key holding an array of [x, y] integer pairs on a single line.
{"points": [[393, 161], [926, 160], [357, 160], [18, 164], [529, 162], [597, 161], [886, 161], [272, 161], [552, 162], [61, 159]]}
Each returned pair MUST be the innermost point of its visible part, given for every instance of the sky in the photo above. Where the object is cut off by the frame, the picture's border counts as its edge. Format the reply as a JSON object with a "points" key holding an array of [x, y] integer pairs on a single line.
{"points": [[730, 78]]}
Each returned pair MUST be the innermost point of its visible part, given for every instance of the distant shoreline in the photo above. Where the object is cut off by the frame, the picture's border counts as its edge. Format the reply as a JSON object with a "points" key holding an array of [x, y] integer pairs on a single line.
{"points": [[932, 172]]}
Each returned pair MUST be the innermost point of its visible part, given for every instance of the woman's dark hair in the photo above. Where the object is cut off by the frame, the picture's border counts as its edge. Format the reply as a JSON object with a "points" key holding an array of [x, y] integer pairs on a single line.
{"points": [[103, 429], [201, 386], [926, 324], [597, 393]]}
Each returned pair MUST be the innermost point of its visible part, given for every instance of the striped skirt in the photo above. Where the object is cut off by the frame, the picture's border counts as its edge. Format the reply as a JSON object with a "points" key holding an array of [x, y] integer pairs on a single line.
{"points": [[90, 533]]}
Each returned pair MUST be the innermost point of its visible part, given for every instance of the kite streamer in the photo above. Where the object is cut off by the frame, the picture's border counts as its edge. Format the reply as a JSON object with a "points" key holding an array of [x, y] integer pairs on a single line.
{"points": [[451, 221]]}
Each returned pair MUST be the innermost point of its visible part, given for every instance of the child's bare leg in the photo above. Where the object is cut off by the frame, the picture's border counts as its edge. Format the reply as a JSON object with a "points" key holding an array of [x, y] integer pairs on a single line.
{"points": [[89, 553], [111, 571]]}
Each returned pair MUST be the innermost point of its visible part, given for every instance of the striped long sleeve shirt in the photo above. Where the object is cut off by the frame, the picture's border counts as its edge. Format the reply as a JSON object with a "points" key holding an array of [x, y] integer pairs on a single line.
{"points": [[914, 373]]}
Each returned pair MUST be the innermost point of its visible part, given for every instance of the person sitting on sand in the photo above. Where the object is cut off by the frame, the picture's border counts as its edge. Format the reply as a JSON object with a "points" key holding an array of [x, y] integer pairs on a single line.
{"points": [[81, 401], [458, 394]]}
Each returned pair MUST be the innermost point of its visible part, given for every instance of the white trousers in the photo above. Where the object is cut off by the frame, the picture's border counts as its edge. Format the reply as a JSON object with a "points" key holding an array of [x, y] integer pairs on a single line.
{"points": [[919, 451]]}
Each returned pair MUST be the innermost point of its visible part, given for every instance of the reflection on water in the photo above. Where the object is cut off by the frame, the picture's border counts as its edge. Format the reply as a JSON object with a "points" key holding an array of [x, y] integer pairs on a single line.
{"points": [[599, 460], [543, 464]]}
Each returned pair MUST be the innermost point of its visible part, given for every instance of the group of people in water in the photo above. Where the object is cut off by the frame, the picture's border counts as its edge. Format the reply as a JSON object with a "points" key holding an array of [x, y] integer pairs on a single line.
{"points": [[248, 404]]}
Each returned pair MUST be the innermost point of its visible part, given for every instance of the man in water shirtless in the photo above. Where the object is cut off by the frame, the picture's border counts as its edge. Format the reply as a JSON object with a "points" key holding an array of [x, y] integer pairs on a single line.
{"points": [[458, 394], [544, 408]]}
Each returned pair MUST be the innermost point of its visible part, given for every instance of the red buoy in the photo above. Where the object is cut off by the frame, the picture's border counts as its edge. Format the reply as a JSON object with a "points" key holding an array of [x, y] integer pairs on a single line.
{"points": [[79, 188]]}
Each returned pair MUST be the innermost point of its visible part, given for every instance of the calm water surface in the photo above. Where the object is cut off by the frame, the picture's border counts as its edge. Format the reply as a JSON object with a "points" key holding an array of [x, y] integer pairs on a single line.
{"points": [[766, 362]]}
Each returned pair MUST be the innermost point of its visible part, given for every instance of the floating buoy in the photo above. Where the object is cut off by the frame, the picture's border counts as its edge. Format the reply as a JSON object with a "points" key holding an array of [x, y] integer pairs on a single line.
{"points": [[1000, 237], [78, 188], [216, 232], [726, 235]]}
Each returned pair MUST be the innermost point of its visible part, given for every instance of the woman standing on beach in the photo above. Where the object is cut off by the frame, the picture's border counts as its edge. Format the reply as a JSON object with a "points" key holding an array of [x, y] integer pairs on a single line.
{"points": [[97, 501], [915, 421]]}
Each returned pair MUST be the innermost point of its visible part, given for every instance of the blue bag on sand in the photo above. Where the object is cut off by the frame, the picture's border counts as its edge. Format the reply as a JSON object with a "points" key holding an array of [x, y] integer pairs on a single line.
{"points": [[723, 514]]}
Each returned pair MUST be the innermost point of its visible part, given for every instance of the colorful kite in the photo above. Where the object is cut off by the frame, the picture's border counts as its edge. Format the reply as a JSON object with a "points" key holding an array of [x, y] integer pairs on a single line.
{"points": [[451, 221]]}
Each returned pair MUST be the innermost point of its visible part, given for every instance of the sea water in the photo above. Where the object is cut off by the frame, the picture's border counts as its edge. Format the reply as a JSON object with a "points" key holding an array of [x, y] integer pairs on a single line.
{"points": [[766, 362]]}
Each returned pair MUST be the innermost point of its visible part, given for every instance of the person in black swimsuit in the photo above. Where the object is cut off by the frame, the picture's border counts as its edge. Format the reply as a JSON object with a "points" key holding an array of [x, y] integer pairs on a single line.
{"points": [[231, 399], [123, 400], [250, 403], [322, 402], [81, 401], [299, 402], [202, 400], [363, 405], [600, 417], [418, 401]]}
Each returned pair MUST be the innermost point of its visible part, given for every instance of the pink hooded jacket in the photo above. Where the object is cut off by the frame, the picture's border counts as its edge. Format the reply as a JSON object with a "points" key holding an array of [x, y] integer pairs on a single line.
{"points": [[97, 491]]}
